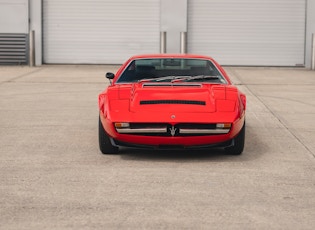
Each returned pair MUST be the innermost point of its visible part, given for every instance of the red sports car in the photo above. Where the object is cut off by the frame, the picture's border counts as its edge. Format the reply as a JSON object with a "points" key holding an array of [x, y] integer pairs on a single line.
{"points": [[171, 101]]}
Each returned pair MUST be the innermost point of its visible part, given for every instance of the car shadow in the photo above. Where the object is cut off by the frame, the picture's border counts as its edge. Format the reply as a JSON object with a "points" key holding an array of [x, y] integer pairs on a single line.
{"points": [[171, 155]]}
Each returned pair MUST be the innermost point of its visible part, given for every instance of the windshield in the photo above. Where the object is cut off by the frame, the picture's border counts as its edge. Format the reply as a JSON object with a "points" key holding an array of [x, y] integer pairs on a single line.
{"points": [[171, 70]]}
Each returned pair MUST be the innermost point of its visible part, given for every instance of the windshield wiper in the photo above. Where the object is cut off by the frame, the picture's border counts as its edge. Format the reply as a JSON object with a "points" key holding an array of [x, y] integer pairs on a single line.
{"points": [[179, 78], [173, 78], [198, 77]]}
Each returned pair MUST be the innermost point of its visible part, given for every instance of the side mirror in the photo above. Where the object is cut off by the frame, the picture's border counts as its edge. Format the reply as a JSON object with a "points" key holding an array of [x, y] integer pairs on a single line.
{"points": [[110, 76]]}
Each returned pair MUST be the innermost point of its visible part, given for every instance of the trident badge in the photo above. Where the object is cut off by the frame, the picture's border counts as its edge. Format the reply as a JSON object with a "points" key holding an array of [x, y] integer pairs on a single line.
{"points": [[173, 131]]}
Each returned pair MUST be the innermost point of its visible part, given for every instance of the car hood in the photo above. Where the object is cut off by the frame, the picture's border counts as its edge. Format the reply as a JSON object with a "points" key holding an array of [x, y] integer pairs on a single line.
{"points": [[180, 97]]}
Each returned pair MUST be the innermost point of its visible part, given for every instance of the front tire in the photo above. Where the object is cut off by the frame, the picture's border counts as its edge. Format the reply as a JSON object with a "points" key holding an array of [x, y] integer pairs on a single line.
{"points": [[105, 144], [239, 142]]}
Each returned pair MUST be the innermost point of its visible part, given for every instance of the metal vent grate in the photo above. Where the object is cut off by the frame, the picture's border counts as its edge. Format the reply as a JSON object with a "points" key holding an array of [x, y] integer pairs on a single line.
{"points": [[13, 49]]}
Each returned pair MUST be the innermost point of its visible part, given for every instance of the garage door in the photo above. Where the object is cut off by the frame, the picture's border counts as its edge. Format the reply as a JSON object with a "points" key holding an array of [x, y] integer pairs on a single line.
{"points": [[248, 32], [81, 31]]}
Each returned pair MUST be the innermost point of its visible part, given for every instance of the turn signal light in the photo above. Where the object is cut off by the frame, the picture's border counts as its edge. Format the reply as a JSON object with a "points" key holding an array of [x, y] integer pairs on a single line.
{"points": [[120, 125], [224, 126]]}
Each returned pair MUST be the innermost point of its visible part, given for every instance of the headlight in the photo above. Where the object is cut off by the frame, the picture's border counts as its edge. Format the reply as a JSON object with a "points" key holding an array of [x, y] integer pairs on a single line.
{"points": [[225, 105]]}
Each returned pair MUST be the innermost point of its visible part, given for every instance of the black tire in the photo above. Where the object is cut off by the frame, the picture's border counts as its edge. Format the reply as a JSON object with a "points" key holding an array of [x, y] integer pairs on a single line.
{"points": [[239, 142], [106, 146]]}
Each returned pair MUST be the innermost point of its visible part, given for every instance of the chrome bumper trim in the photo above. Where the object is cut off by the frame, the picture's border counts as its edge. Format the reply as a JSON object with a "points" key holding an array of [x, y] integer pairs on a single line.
{"points": [[204, 131], [145, 130]]}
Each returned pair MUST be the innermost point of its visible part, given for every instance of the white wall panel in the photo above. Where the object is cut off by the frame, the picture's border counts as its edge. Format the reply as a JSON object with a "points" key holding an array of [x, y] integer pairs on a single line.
{"points": [[97, 31], [14, 16], [248, 32]]}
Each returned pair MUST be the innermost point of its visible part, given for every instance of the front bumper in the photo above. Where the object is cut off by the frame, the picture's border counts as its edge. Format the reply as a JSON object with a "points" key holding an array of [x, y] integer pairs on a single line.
{"points": [[185, 141]]}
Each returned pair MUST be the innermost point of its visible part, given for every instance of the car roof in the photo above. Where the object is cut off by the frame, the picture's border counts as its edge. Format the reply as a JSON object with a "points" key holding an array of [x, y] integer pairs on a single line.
{"points": [[193, 56]]}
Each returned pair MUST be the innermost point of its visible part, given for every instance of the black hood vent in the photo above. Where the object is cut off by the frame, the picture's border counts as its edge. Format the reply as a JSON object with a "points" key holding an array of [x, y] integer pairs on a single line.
{"points": [[183, 85], [183, 102]]}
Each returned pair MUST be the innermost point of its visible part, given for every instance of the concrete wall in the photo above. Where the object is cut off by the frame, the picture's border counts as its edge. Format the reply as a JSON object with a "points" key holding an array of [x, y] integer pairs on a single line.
{"points": [[14, 16], [310, 29], [173, 22]]}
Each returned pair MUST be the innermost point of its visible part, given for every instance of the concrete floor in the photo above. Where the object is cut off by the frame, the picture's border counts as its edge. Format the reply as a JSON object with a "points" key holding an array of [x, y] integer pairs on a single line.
{"points": [[53, 176]]}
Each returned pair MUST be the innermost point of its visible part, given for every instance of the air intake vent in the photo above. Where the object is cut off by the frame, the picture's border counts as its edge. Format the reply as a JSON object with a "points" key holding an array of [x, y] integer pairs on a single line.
{"points": [[185, 102], [13, 49]]}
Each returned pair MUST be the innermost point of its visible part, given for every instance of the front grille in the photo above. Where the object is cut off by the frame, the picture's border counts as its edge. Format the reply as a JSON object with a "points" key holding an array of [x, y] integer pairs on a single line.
{"points": [[168, 130], [184, 102]]}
